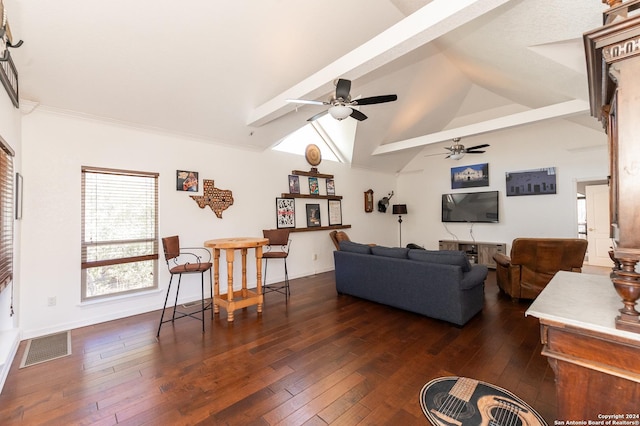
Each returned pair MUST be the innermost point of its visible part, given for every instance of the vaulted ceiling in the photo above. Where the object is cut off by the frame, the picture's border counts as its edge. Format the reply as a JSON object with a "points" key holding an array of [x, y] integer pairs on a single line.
{"points": [[221, 71]]}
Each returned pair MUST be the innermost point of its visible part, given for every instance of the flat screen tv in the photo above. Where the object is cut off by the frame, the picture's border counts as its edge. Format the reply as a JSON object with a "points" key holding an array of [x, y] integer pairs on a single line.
{"points": [[470, 207]]}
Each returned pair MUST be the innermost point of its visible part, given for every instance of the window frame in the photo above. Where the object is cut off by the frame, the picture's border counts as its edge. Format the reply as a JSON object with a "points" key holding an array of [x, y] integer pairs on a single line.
{"points": [[98, 263], [7, 214]]}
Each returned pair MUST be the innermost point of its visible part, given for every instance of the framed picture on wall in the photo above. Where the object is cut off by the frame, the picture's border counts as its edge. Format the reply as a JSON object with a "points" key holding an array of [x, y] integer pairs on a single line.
{"points": [[531, 182], [186, 181], [331, 187], [470, 176], [314, 189], [313, 215], [294, 184], [285, 212], [335, 212]]}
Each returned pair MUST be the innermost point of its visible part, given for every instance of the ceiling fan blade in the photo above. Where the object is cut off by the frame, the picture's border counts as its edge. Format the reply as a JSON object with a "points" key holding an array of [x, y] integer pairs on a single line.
{"points": [[376, 100], [343, 87], [476, 152], [478, 146], [307, 102], [433, 155], [318, 115], [358, 115]]}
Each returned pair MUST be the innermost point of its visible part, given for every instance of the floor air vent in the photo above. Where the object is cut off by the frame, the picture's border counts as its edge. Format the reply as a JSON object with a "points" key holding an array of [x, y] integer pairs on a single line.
{"points": [[46, 348]]}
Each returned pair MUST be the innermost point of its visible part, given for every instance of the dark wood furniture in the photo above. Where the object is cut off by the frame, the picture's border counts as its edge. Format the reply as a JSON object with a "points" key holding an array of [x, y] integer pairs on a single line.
{"points": [[613, 64], [596, 365]]}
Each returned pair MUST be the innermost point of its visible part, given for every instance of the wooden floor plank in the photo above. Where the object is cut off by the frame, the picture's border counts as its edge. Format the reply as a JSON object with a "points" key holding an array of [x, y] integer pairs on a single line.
{"points": [[317, 358]]}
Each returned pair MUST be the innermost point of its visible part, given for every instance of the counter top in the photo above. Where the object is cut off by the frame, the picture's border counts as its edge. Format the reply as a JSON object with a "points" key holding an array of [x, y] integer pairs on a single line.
{"points": [[581, 300]]}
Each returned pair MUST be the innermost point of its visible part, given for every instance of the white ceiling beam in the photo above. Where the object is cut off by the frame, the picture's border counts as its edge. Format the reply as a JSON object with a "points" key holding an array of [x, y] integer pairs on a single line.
{"points": [[563, 109], [423, 26]]}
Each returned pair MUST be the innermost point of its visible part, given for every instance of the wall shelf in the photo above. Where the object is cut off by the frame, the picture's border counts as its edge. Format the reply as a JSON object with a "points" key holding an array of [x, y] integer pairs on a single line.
{"points": [[314, 174], [319, 228], [310, 196]]}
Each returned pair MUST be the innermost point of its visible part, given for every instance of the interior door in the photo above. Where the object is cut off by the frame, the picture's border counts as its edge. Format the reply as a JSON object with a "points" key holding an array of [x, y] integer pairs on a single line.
{"points": [[598, 225]]}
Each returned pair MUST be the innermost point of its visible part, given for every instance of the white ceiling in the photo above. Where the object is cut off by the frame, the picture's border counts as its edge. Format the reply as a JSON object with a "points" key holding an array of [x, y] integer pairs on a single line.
{"points": [[220, 71]]}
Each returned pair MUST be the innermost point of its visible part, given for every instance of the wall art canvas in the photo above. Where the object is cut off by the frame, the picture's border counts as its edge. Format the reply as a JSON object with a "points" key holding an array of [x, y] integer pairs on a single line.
{"points": [[285, 212], [472, 176], [531, 182], [186, 181]]}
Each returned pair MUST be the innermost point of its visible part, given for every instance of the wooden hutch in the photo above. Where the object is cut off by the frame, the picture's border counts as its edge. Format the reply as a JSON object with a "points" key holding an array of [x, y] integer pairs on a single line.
{"points": [[590, 328]]}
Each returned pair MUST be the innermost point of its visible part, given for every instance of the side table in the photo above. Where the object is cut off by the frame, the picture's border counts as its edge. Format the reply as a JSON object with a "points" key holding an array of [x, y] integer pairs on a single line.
{"points": [[241, 298]]}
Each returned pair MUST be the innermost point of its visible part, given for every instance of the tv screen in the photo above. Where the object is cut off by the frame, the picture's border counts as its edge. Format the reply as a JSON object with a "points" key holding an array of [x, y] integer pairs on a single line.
{"points": [[470, 207]]}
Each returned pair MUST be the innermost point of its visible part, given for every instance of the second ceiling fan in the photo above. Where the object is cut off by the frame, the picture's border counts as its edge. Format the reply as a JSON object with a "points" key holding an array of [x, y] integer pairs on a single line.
{"points": [[341, 104], [457, 150]]}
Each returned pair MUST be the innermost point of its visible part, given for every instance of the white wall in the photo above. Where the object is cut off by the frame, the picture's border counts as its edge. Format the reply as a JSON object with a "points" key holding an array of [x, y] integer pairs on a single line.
{"points": [[577, 152], [55, 147]]}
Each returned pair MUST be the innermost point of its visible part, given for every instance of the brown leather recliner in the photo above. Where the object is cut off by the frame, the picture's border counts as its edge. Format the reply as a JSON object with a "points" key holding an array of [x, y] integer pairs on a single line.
{"points": [[534, 261], [337, 236]]}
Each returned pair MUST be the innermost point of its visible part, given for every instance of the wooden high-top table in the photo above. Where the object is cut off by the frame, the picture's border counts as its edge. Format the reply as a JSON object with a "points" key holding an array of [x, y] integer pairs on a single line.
{"points": [[244, 297]]}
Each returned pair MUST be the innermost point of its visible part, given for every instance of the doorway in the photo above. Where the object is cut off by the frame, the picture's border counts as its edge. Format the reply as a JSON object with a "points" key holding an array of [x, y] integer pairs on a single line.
{"points": [[593, 220]]}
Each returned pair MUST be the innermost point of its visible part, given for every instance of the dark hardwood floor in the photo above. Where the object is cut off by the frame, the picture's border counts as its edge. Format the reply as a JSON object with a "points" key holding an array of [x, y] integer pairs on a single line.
{"points": [[318, 359]]}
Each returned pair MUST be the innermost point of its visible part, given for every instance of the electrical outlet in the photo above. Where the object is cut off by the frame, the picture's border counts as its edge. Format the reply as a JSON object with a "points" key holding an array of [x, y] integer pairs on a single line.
{"points": [[51, 301]]}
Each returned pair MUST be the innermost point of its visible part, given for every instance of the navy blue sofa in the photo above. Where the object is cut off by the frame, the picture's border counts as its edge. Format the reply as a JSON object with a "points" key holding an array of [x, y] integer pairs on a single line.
{"points": [[437, 284]]}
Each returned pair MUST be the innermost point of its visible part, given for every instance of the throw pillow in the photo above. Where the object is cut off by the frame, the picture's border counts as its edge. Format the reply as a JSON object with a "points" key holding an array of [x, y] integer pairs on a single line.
{"points": [[350, 246], [397, 252], [445, 257]]}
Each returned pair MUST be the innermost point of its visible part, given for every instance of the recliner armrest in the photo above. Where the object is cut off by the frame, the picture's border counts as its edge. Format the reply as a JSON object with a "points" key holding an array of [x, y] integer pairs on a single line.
{"points": [[502, 259]]}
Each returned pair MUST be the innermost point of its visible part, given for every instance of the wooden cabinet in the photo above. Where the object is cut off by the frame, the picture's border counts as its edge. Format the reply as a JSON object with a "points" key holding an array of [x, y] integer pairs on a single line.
{"points": [[477, 252], [613, 65], [596, 365]]}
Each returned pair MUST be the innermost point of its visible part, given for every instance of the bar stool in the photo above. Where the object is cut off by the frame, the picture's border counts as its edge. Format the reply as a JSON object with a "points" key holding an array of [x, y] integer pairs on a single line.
{"points": [[278, 248], [186, 261]]}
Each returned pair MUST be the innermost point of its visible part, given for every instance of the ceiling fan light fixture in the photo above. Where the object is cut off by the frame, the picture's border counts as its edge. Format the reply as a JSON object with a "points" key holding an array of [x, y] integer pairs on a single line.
{"points": [[456, 155], [340, 112]]}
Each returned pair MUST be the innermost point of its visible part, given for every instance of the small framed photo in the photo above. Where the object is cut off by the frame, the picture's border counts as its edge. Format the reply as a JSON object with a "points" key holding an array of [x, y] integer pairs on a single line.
{"points": [[313, 186], [186, 181], [331, 187], [335, 212], [313, 215], [285, 212], [294, 184]]}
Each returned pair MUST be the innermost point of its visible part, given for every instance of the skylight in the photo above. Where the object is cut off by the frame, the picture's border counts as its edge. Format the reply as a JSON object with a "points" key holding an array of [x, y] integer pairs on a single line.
{"points": [[334, 138]]}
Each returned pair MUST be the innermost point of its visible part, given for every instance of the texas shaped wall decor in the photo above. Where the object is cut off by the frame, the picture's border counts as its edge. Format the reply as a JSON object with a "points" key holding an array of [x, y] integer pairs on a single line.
{"points": [[217, 199]]}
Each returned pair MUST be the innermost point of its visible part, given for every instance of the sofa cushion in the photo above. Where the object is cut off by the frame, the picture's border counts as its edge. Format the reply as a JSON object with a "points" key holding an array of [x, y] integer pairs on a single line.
{"points": [[350, 246], [446, 257], [397, 252]]}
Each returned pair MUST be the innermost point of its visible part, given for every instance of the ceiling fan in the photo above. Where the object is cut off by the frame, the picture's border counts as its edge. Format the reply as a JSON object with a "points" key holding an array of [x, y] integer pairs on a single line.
{"points": [[342, 104], [457, 150]]}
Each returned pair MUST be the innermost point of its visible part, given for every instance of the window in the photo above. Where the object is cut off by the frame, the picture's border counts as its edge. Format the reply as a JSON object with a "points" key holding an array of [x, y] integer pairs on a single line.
{"points": [[6, 214], [119, 232]]}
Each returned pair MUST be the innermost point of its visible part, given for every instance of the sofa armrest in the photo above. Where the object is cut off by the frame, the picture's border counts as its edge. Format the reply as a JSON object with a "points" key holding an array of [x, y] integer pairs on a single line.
{"points": [[502, 259], [474, 277]]}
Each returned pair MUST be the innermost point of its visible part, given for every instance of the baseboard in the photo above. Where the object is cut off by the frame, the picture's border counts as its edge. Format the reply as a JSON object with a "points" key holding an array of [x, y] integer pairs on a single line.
{"points": [[9, 341]]}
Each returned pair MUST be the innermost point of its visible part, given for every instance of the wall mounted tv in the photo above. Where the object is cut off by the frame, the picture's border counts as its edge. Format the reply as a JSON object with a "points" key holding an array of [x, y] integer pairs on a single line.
{"points": [[470, 207]]}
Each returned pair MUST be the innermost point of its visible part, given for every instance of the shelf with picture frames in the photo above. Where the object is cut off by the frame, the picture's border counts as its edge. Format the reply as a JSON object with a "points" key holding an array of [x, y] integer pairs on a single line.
{"points": [[314, 173]]}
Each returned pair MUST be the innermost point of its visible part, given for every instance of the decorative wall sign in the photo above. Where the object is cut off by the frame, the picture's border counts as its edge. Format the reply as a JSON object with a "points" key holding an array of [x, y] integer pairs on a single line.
{"points": [[217, 199], [531, 182], [470, 176], [186, 181], [285, 212]]}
